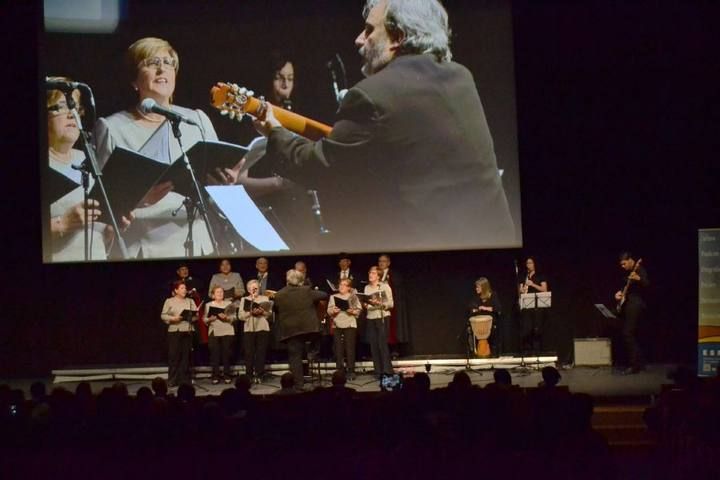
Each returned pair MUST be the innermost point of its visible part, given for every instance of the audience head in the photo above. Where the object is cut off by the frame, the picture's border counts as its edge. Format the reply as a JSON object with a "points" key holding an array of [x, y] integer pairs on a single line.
{"points": [[243, 383], [550, 376], [159, 386], [38, 391], [502, 377], [339, 378], [422, 380], [461, 381], [287, 380], [83, 390], [186, 393]]}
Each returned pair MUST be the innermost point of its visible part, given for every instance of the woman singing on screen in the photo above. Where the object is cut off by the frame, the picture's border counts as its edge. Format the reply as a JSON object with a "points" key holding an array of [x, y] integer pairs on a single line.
{"points": [[153, 66]]}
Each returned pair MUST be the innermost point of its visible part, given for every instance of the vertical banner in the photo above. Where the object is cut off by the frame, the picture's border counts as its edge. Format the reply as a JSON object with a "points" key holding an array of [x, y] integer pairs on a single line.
{"points": [[708, 301]]}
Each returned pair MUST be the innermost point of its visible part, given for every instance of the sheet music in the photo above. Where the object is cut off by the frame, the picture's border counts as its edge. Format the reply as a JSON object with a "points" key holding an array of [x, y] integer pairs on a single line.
{"points": [[245, 216]]}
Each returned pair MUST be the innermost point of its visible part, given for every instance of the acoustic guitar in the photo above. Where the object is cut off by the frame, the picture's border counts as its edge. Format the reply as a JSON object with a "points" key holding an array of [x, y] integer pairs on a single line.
{"points": [[623, 296]]}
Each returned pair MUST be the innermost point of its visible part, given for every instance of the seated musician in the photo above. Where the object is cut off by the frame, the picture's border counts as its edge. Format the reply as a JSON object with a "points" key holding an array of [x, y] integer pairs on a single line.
{"points": [[486, 302]]}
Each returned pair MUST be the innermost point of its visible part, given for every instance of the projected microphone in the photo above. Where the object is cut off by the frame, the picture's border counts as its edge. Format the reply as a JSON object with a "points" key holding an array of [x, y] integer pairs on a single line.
{"points": [[64, 86], [150, 106], [339, 93]]}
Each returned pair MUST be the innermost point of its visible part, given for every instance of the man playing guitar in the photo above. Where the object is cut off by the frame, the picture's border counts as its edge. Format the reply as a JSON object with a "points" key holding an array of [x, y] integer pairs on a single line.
{"points": [[631, 307]]}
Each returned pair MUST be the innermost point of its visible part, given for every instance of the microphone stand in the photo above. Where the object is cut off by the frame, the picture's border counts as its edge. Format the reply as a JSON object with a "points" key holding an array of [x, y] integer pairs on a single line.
{"points": [[523, 367], [192, 205], [317, 212], [89, 167]]}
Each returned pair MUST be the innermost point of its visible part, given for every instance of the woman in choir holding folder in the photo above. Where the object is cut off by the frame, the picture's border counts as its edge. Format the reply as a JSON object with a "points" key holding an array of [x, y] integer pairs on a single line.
{"points": [[231, 282], [221, 334], [159, 230], [254, 312], [378, 302], [67, 213], [178, 313], [344, 308]]}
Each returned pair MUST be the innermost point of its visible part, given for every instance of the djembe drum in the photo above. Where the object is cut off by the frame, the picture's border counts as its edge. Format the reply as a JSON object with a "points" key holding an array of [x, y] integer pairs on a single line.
{"points": [[482, 327]]}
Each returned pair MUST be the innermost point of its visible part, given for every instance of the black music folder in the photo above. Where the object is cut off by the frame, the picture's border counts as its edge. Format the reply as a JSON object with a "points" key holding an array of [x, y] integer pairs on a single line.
{"points": [[58, 185], [229, 293], [187, 315], [129, 175], [215, 311], [341, 303], [249, 306]]}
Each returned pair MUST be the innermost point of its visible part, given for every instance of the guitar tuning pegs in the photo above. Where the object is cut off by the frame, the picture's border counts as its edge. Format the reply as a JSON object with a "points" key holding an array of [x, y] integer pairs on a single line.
{"points": [[250, 93]]}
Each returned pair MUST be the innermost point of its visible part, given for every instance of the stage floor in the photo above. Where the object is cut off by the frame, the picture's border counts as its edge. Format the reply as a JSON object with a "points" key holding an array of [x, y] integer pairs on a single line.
{"points": [[600, 382]]}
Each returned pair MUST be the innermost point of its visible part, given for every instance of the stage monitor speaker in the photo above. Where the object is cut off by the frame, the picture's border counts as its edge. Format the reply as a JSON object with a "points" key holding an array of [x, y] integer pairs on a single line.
{"points": [[594, 352]]}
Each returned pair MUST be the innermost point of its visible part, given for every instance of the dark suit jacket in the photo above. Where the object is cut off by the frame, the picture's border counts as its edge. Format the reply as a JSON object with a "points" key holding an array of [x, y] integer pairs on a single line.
{"points": [[412, 145], [296, 311]]}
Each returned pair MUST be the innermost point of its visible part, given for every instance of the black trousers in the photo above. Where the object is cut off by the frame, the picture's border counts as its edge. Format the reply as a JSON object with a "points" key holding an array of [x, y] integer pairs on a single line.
{"points": [[345, 340], [532, 330], [255, 346], [221, 350], [632, 315], [179, 348], [296, 349], [377, 334]]}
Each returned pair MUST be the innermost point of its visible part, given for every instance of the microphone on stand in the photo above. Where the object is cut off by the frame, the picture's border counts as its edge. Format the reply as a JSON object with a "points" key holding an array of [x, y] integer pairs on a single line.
{"points": [[339, 92], [64, 86], [149, 105]]}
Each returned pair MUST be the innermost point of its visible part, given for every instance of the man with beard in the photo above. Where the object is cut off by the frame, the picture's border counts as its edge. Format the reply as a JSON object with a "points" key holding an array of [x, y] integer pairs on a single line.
{"points": [[413, 139]]}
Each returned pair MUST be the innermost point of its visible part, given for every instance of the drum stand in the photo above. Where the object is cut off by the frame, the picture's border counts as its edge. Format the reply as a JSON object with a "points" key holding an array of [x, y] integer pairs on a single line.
{"points": [[469, 337]]}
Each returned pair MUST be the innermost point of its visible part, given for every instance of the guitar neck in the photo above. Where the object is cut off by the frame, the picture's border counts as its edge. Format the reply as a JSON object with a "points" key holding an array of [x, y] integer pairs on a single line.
{"points": [[304, 126]]}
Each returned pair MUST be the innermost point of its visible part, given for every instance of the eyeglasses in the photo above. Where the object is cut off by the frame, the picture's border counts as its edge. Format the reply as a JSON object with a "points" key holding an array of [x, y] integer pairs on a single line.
{"points": [[157, 62], [62, 109]]}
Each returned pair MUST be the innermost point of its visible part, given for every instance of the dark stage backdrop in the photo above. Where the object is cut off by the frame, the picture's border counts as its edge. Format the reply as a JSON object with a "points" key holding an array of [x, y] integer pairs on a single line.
{"points": [[618, 122]]}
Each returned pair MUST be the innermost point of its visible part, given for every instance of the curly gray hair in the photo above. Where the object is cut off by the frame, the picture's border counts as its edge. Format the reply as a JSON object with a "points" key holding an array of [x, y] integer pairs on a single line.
{"points": [[294, 277], [423, 23]]}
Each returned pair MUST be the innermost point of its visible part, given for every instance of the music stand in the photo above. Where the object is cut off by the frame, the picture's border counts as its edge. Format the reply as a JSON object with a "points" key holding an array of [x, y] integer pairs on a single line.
{"points": [[534, 301]]}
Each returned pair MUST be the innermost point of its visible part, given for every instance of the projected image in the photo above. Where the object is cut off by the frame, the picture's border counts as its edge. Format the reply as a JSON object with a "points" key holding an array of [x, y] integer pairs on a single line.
{"points": [[309, 131]]}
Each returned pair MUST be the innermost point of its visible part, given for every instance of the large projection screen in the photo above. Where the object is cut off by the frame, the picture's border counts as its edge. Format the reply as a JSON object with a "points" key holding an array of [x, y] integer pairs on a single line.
{"points": [[432, 169]]}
